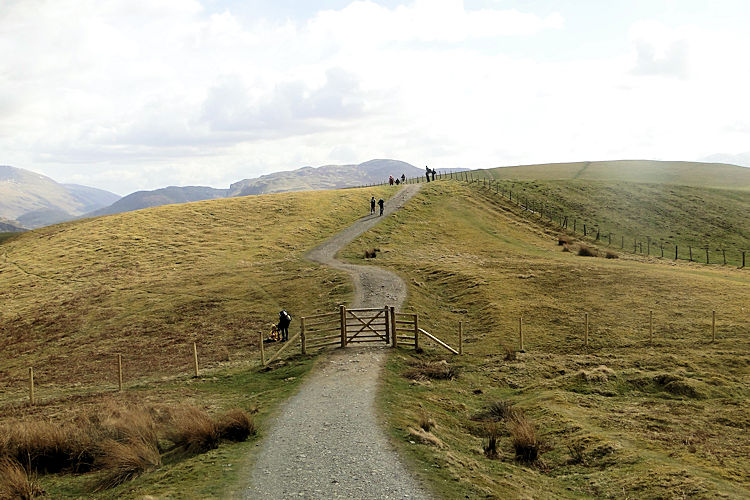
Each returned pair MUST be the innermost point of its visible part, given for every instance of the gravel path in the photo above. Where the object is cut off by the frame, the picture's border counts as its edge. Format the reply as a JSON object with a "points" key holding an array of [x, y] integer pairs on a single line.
{"points": [[327, 441]]}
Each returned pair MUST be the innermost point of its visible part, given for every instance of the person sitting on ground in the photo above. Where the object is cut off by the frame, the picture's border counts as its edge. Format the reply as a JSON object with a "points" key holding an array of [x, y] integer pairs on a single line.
{"points": [[372, 205], [274, 335], [381, 203], [285, 319]]}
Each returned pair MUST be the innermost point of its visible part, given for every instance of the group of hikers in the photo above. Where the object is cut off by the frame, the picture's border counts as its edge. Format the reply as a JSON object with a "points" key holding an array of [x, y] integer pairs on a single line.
{"points": [[429, 172], [381, 204], [280, 331], [396, 181]]}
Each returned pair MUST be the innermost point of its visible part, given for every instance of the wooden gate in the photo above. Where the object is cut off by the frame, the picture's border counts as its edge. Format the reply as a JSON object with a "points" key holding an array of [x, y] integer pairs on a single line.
{"points": [[365, 325]]}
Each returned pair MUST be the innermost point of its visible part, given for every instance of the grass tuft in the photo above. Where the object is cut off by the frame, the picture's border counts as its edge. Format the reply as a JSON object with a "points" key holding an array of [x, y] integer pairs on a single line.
{"points": [[611, 255], [16, 483], [498, 411], [437, 370], [425, 421], [492, 433], [236, 425], [193, 431], [126, 461], [564, 239], [587, 251], [525, 441]]}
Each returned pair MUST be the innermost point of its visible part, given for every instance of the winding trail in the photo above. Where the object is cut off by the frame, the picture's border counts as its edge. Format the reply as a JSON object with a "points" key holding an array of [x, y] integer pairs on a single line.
{"points": [[327, 441]]}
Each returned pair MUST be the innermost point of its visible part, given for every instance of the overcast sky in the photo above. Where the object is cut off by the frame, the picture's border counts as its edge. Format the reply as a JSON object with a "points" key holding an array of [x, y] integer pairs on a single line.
{"points": [[140, 94]]}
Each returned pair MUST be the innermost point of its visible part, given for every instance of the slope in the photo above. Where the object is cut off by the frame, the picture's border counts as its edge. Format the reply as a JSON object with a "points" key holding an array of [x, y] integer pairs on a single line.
{"points": [[158, 197], [623, 417], [149, 283], [716, 175]]}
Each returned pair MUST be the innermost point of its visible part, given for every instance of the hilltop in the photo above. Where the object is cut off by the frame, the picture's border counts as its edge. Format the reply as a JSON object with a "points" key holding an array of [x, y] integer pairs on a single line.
{"points": [[716, 175], [158, 197]]}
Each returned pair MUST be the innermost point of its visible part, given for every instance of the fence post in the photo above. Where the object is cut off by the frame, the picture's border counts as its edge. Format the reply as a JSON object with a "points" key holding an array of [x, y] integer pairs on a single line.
{"points": [[262, 349], [675, 252], [342, 314], [394, 340], [31, 386], [195, 358], [416, 332], [584, 229], [724, 254], [648, 246], [520, 333], [743, 258], [387, 325], [713, 326], [662, 249], [119, 371], [586, 334], [691, 253], [575, 221], [707, 256], [460, 338], [302, 335], [622, 243]]}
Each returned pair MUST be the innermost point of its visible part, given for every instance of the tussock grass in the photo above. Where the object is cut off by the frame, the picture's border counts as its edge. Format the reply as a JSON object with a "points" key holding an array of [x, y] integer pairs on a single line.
{"points": [[431, 370], [524, 437], [498, 411], [193, 430], [236, 425], [16, 483], [587, 251], [425, 422], [125, 461], [490, 444], [609, 254]]}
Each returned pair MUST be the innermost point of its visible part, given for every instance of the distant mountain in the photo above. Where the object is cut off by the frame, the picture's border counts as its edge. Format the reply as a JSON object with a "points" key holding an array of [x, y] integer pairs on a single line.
{"points": [[716, 175], [158, 197], [326, 177], [7, 227], [35, 200]]}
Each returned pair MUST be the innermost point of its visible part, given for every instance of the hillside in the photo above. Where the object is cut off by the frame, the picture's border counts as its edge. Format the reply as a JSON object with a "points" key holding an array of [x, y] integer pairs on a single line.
{"points": [[164, 196], [622, 417], [325, 177], [716, 175], [38, 200]]}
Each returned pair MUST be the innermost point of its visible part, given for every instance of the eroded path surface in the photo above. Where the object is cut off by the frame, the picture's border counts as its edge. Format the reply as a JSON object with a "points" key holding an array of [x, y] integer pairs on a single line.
{"points": [[327, 442]]}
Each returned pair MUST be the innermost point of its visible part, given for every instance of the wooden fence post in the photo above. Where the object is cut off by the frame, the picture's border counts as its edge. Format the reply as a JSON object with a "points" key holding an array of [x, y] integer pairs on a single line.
{"points": [[743, 258], [707, 262], [460, 338], [119, 371], [31, 386], [724, 255], [262, 349], [394, 339], [416, 332], [713, 326], [342, 314], [387, 325], [195, 358], [586, 334], [622, 243], [520, 333], [691, 253], [302, 335], [675, 252]]}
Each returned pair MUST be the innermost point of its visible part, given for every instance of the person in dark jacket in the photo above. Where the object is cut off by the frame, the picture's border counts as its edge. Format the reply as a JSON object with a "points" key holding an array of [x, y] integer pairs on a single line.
{"points": [[403, 178], [427, 172], [372, 205], [381, 203], [285, 319], [433, 174]]}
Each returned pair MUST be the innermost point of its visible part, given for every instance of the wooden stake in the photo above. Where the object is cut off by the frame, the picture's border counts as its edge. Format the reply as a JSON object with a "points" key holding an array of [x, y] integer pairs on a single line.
{"points": [[394, 340], [416, 332], [195, 358], [262, 349], [302, 335], [586, 335], [713, 326], [387, 324], [31, 386], [119, 371], [342, 314], [460, 338], [520, 333]]}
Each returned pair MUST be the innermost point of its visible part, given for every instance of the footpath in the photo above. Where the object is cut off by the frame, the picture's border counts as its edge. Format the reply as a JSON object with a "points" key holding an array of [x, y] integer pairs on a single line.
{"points": [[327, 441]]}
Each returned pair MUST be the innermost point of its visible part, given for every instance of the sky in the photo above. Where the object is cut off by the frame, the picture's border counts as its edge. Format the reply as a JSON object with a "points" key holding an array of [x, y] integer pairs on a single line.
{"points": [[140, 94]]}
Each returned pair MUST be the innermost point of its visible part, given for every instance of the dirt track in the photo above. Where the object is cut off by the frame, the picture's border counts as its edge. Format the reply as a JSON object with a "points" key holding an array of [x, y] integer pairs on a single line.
{"points": [[327, 441]]}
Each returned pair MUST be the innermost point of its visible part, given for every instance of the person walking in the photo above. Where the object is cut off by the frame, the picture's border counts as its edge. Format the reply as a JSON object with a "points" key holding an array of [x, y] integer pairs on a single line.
{"points": [[372, 205], [381, 203], [285, 319], [390, 180], [403, 178], [427, 173], [433, 175]]}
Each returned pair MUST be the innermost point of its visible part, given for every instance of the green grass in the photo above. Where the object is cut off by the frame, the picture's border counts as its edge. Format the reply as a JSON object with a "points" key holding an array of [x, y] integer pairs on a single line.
{"points": [[148, 284], [626, 213], [668, 419], [4, 237], [717, 175]]}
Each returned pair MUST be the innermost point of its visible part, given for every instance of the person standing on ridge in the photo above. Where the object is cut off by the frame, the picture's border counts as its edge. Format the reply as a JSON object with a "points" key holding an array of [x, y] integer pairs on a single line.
{"points": [[403, 178], [372, 205], [433, 175], [381, 203], [427, 172], [390, 180]]}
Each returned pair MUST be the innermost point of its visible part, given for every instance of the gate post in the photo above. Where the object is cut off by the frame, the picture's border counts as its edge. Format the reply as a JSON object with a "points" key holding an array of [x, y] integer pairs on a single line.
{"points": [[302, 335], [342, 313], [416, 332], [386, 318], [394, 341]]}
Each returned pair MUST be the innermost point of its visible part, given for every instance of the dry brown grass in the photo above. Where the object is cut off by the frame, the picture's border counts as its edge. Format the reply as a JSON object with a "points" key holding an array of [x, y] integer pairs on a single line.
{"points": [[610, 254], [587, 251], [525, 441], [425, 421], [509, 353], [193, 431], [236, 425], [424, 437], [124, 461], [498, 411], [15, 482], [564, 239], [492, 436]]}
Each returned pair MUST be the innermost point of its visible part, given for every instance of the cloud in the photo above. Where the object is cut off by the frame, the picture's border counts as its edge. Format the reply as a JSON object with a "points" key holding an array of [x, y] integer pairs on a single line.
{"points": [[660, 50]]}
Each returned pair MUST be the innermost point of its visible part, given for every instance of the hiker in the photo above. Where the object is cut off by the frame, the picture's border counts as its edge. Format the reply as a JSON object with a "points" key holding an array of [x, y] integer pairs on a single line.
{"points": [[274, 335], [372, 205], [397, 181], [381, 203], [285, 319], [403, 178], [427, 172], [433, 175], [390, 180]]}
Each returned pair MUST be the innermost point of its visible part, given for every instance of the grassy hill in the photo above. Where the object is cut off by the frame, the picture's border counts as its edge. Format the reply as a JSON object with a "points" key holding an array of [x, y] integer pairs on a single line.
{"points": [[148, 284], [718, 175], [622, 417]]}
